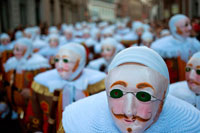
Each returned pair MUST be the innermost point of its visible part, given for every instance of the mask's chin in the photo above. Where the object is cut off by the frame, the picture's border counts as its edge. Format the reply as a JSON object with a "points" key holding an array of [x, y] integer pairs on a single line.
{"points": [[18, 57], [65, 76]]}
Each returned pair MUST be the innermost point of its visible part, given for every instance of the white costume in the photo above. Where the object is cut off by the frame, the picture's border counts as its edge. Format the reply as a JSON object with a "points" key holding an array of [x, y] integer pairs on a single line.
{"points": [[93, 115], [182, 91], [175, 45], [98, 63]]}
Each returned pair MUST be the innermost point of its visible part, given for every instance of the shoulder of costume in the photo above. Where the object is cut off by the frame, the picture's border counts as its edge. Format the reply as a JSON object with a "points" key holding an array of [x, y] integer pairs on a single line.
{"points": [[36, 62], [90, 42], [130, 36], [177, 116], [90, 114], [48, 51], [95, 64], [95, 80], [167, 47], [10, 64], [182, 91], [39, 43], [47, 76], [41, 81]]}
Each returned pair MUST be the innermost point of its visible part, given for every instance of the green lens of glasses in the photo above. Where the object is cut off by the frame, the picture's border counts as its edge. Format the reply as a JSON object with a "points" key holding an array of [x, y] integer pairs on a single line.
{"points": [[143, 96], [65, 60], [187, 69], [116, 93], [198, 71], [56, 59]]}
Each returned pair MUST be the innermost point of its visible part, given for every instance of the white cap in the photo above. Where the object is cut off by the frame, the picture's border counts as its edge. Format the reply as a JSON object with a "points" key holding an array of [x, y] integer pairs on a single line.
{"points": [[196, 55], [142, 55], [147, 36], [4, 36]]}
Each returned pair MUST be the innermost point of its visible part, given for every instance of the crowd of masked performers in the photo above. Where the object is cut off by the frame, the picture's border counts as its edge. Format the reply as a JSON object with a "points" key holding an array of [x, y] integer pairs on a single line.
{"points": [[128, 76]]}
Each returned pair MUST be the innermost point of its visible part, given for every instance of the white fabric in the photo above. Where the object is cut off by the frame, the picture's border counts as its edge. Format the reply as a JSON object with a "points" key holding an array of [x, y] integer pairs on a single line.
{"points": [[80, 50], [113, 42], [35, 62], [196, 55], [38, 43], [142, 55], [147, 36], [165, 32], [52, 80], [131, 36], [48, 51], [182, 91], [169, 47], [90, 42], [4, 36], [136, 25], [63, 40], [92, 115], [6, 47], [53, 36], [53, 29], [96, 64]]}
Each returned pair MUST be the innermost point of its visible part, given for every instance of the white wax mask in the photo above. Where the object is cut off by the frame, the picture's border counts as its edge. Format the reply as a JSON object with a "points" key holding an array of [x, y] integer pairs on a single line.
{"points": [[68, 35], [19, 51], [193, 74], [139, 31], [183, 27], [135, 95], [66, 62], [53, 42], [5, 41], [108, 52], [147, 43]]}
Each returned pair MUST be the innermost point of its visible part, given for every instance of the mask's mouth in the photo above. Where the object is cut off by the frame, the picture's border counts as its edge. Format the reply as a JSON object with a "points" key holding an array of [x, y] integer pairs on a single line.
{"points": [[62, 70], [192, 82]]}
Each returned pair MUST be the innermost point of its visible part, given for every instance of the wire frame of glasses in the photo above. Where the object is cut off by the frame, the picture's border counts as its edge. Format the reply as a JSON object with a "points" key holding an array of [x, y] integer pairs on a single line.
{"points": [[141, 95], [188, 69]]}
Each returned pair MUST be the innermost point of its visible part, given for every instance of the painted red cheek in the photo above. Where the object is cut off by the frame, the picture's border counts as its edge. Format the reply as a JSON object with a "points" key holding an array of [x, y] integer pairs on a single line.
{"points": [[66, 66]]}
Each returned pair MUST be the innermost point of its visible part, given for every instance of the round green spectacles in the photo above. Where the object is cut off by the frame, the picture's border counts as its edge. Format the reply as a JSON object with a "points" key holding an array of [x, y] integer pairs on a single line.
{"points": [[64, 60], [141, 95], [188, 69]]}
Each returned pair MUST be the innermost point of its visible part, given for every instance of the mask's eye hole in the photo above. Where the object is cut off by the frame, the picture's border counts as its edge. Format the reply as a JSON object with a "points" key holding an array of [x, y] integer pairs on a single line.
{"points": [[56, 59], [143, 96], [65, 60], [198, 71], [187, 69], [116, 93]]}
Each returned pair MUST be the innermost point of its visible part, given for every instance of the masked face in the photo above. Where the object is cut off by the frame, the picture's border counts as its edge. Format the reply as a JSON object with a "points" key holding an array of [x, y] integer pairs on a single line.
{"points": [[5, 41], [193, 74], [183, 27], [108, 52], [135, 102], [53, 42], [68, 35], [139, 31], [66, 62], [19, 51], [147, 42]]}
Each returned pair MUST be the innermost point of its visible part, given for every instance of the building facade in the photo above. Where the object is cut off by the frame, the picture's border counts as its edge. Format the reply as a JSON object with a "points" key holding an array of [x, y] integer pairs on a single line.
{"points": [[164, 9], [14, 13], [102, 9]]}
